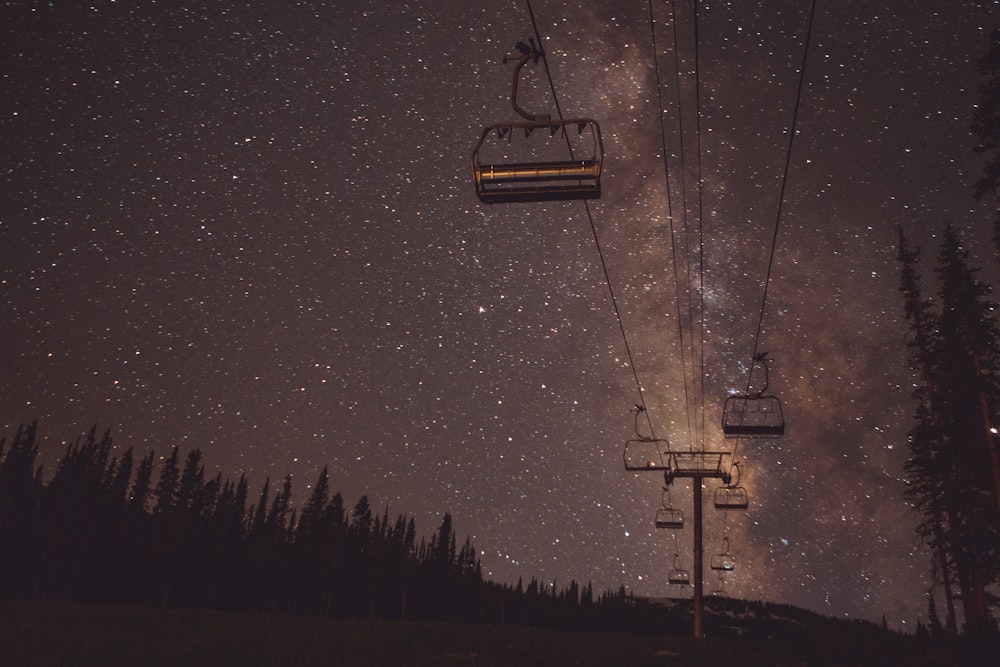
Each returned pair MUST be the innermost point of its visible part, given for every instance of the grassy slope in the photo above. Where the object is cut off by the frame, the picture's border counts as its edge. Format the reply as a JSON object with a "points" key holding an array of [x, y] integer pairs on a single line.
{"points": [[59, 634]]}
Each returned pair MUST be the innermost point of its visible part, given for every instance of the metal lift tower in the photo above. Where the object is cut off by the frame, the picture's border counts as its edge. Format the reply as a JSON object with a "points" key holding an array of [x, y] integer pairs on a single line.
{"points": [[653, 455]]}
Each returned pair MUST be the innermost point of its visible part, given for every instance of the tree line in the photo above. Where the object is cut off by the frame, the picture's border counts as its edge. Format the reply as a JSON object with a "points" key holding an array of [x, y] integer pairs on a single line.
{"points": [[111, 528], [954, 466]]}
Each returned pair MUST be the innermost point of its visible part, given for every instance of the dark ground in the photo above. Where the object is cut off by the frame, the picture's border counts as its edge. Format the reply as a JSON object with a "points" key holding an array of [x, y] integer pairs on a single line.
{"points": [[37, 634]]}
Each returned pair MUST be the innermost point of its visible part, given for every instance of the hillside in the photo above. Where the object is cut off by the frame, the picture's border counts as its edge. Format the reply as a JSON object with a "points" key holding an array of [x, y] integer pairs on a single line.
{"points": [[51, 633]]}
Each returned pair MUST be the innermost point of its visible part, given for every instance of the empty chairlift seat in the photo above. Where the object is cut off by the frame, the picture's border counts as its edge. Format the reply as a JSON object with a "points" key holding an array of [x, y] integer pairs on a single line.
{"points": [[753, 416], [648, 454], [538, 158], [520, 162], [667, 516], [677, 575], [723, 562], [731, 498]]}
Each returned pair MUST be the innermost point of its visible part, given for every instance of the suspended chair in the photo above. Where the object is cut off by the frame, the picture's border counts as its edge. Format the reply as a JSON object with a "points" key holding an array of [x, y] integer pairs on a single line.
{"points": [[677, 575], [669, 517], [721, 590], [524, 161], [755, 414], [732, 496], [645, 452], [723, 562]]}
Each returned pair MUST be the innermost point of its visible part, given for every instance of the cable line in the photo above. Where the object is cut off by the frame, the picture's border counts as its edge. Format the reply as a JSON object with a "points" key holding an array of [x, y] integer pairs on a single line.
{"points": [[593, 229], [781, 199], [701, 226], [670, 211]]}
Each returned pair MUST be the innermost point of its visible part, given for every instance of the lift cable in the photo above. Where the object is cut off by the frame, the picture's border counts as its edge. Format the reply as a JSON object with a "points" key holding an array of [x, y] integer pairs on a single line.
{"points": [[593, 229], [670, 211], [701, 225], [689, 281], [781, 199]]}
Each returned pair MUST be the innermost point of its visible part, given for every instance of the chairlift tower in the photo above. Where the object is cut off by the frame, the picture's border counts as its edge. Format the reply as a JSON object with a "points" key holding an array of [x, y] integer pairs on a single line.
{"points": [[644, 454], [697, 466]]}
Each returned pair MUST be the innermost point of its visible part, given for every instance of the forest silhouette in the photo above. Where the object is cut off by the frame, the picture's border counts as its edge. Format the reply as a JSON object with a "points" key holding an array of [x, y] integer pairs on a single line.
{"points": [[109, 529]]}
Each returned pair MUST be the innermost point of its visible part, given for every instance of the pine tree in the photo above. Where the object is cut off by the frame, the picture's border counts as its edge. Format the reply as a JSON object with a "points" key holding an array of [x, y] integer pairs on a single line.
{"points": [[361, 522], [922, 468], [444, 544], [279, 522], [311, 520], [142, 484], [76, 520], [313, 550], [258, 526], [192, 477], [121, 474], [968, 365], [933, 620], [953, 465], [20, 500], [166, 488]]}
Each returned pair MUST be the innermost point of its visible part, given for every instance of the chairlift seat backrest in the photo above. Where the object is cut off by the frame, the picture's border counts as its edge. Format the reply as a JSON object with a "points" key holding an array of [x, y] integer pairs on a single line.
{"points": [[669, 518], [722, 563], [753, 417], [731, 497], [511, 166], [648, 454], [679, 577]]}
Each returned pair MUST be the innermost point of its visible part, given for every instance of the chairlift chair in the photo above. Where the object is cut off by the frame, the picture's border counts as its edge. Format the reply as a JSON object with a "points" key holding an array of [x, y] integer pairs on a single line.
{"points": [[721, 590], [672, 519], [754, 414], [667, 516], [678, 575], [649, 454], [517, 172], [724, 561], [523, 161], [732, 496], [645, 452]]}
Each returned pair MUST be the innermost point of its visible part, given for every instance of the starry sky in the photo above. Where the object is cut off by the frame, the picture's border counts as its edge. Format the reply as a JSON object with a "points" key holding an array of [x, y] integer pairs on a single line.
{"points": [[251, 228]]}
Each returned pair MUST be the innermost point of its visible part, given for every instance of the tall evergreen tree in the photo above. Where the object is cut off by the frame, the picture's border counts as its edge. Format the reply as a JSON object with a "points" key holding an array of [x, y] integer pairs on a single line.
{"points": [[311, 520], [279, 524], [120, 474], [361, 521], [20, 500], [191, 479], [953, 464], [969, 367], [142, 484], [258, 526], [167, 486], [444, 544], [926, 485]]}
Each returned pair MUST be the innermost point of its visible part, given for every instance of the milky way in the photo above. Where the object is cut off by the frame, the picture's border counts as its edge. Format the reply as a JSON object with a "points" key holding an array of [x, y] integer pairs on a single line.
{"points": [[252, 229]]}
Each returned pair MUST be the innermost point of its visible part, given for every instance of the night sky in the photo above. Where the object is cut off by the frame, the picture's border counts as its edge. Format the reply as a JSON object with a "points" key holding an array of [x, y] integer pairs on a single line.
{"points": [[251, 228]]}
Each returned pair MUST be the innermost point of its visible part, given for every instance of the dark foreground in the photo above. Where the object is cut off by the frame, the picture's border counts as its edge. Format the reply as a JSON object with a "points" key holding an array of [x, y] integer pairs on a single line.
{"points": [[57, 634]]}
